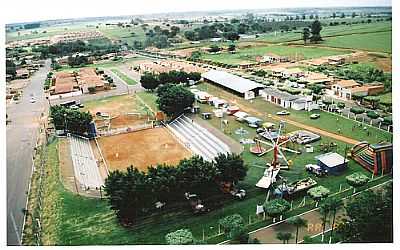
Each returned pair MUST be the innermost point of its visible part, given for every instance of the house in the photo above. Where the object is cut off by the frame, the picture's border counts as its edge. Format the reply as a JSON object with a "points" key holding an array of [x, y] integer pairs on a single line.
{"points": [[240, 86], [316, 78], [368, 89], [332, 162], [22, 73], [302, 103], [336, 60], [342, 88], [278, 72], [292, 72], [278, 97]]}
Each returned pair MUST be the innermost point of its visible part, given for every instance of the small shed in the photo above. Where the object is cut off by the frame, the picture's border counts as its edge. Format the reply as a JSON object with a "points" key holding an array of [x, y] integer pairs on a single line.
{"points": [[332, 162]]}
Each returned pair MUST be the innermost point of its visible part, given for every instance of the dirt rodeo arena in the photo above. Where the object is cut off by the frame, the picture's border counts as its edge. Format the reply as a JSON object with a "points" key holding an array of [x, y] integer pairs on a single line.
{"points": [[141, 149]]}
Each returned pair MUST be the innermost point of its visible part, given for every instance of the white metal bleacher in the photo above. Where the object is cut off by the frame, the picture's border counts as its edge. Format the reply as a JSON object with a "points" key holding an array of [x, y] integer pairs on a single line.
{"points": [[85, 165], [198, 139]]}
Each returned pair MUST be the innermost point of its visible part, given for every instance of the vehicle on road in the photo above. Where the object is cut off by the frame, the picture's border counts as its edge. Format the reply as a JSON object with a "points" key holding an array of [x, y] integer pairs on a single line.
{"points": [[32, 100], [283, 112]]}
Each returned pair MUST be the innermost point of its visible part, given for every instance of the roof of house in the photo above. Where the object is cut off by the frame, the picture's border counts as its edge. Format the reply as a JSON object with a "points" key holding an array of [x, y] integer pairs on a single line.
{"points": [[365, 88], [331, 159], [231, 81], [347, 83], [280, 94], [63, 88]]}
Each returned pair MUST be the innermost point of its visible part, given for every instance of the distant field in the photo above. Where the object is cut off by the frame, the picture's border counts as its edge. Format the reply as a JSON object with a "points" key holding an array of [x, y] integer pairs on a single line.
{"points": [[127, 35], [380, 41], [249, 54], [327, 31]]}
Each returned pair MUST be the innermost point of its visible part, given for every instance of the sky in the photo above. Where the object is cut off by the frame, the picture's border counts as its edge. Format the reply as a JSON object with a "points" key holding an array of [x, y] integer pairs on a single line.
{"points": [[29, 10]]}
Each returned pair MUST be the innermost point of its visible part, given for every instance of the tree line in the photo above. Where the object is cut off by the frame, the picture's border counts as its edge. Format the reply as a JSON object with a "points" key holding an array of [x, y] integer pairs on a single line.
{"points": [[73, 121], [133, 193], [151, 81]]}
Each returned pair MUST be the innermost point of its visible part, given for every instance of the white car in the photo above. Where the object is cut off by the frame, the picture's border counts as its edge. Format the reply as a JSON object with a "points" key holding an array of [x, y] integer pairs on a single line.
{"points": [[32, 100], [283, 112]]}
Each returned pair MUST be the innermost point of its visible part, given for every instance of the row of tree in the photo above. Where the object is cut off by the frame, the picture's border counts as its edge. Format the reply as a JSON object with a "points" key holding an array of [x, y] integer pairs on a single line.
{"points": [[133, 193], [151, 81]]}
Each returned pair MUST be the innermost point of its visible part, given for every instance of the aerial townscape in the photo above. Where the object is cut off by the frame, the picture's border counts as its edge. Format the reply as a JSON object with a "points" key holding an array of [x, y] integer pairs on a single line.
{"points": [[251, 126]]}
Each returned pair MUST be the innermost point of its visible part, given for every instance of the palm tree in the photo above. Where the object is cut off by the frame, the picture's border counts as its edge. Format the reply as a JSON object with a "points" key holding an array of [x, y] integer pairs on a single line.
{"points": [[284, 237], [297, 222], [324, 211], [334, 204]]}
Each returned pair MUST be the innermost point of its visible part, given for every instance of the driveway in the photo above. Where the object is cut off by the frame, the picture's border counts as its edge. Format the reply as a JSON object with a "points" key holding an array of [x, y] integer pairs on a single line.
{"points": [[22, 133]]}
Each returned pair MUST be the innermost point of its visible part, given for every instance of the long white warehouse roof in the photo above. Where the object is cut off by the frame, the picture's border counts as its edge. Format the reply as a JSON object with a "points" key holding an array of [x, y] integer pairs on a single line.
{"points": [[231, 81]]}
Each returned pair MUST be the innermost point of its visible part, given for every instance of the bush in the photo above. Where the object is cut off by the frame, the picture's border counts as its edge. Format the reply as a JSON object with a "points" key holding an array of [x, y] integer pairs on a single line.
{"points": [[318, 193], [180, 237], [341, 105], [372, 114], [387, 120], [92, 90], [232, 225], [357, 111]]}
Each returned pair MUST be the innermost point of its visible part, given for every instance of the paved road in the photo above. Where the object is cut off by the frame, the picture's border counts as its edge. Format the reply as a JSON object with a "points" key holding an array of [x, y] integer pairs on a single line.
{"points": [[22, 135]]}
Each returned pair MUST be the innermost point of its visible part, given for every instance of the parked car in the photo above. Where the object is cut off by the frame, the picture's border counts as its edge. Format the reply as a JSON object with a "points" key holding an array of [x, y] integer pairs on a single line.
{"points": [[283, 112], [32, 100], [315, 116], [315, 169]]}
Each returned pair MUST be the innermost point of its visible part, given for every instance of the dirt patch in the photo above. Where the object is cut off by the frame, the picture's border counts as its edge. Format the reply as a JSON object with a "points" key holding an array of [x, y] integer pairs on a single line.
{"points": [[142, 149], [379, 61], [66, 165], [125, 110]]}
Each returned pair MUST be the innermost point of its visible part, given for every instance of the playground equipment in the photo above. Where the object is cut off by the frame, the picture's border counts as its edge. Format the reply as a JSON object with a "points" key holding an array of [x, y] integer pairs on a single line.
{"points": [[272, 169], [377, 158], [289, 190]]}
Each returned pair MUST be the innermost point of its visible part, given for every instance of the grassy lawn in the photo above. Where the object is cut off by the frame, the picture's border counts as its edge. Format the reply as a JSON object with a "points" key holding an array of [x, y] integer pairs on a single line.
{"points": [[150, 100], [106, 64], [380, 41], [249, 54], [328, 122], [124, 77]]}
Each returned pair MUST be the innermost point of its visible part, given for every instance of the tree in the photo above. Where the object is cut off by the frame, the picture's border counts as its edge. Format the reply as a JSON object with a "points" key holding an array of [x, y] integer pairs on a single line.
{"points": [[306, 35], [318, 193], [195, 175], [284, 237], [163, 179], [231, 47], [214, 48], [316, 28], [149, 81], [324, 211], [276, 207], [11, 68], [372, 114], [298, 222], [129, 194], [92, 90], [357, 111], [175, 99], [74, 121], [180, 237], [231, 35], [373, 100], [356, 180], [230, 168], [369, 218], [334, 204], [232, 225]]}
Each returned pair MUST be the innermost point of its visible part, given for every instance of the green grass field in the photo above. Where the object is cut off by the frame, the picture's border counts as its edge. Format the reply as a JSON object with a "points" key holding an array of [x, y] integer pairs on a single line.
{"points": [[380, 41], [127, 35], [124, 77], [249, 54], [327, 31]]}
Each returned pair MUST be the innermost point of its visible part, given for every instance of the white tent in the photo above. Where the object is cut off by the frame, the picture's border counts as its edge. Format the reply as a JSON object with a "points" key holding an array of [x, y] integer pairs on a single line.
{"points": [[240, 115], [266, 180]]}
